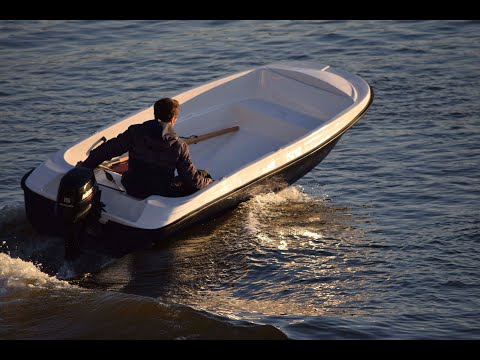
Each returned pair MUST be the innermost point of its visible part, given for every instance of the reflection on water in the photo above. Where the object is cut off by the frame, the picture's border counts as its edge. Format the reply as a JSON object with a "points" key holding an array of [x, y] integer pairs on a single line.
{"points": [[285, 253]]}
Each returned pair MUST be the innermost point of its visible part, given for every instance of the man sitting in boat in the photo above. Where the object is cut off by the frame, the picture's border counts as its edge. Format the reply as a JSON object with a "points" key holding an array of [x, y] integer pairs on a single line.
{"points": [[155, 151]]}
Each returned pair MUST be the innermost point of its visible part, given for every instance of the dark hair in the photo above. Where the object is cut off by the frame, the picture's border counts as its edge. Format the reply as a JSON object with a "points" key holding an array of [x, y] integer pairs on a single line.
{"points": [[166, 109]]}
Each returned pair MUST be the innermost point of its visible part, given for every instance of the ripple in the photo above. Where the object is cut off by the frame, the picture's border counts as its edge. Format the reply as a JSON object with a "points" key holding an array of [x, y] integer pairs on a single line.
{"points": [[378, 241]]}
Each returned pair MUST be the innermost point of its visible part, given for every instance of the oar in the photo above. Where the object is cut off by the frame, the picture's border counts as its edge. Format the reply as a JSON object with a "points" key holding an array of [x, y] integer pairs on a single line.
{"points": [[194, 139]]}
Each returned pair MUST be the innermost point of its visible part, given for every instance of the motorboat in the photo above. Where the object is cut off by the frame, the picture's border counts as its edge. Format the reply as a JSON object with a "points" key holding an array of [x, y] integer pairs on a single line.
{"points": [[256, 131]]}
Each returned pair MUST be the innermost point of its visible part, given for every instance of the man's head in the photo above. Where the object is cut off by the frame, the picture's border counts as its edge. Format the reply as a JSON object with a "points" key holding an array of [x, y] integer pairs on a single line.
{"points": [[166, 109]]}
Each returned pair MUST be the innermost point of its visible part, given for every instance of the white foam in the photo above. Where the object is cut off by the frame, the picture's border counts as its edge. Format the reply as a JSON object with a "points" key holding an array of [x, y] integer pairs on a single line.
{"points": [[252, 225], [268, 218], [291, 193], [260, 203], [16, 273], [311, 234]]}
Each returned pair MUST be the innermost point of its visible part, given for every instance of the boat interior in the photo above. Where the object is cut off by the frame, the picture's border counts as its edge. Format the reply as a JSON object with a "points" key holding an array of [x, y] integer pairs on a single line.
{"points": [[270, 109]]}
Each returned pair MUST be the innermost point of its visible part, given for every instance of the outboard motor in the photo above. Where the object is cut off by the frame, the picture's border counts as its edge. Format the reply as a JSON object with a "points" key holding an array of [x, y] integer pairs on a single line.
{"points": [[78, 203]]}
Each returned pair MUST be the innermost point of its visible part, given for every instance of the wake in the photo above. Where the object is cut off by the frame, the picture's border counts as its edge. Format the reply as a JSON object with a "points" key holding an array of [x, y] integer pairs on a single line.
{"points": [[44, 254], [16, 273]]}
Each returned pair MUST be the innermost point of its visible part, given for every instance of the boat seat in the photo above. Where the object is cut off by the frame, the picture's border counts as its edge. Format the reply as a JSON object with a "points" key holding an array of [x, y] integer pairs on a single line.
{"points": [[109, 178]]}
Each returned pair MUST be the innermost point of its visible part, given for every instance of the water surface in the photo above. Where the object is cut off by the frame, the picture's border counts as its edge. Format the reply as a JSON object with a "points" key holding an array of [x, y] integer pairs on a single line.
{"points": [[380, 241]]}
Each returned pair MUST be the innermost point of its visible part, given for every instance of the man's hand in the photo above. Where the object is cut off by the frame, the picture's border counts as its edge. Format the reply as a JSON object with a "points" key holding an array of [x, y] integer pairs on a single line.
{"points": [[205, 174]]}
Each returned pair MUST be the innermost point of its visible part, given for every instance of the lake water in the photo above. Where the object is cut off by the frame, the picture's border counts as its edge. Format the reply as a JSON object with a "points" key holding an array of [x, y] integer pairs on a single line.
{"points": [[380, 241]]}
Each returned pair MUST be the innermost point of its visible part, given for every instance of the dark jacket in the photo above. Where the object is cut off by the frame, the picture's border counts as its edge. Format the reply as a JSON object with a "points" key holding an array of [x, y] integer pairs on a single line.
{"points": [[155, 151]]}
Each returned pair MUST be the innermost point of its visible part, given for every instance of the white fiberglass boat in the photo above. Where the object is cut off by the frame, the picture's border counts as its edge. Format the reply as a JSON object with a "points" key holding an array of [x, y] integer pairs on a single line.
{"points": [[281, 121]]}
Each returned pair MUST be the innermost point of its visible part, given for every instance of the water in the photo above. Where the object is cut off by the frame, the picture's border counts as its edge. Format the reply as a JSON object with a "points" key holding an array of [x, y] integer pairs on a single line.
{"points": [[380, 241]]}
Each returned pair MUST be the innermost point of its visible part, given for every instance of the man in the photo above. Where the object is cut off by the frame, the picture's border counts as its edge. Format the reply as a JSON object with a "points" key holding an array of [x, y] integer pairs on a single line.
{"points": [[155, 151]]}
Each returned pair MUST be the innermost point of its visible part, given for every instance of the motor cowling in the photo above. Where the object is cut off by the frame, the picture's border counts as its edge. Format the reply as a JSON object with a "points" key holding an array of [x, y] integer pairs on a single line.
{"points": [[78, 199]]}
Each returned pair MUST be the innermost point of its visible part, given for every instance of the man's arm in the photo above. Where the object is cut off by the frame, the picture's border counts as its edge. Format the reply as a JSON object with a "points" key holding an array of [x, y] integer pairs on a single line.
{"points": [[113, 147], [188, 172]]}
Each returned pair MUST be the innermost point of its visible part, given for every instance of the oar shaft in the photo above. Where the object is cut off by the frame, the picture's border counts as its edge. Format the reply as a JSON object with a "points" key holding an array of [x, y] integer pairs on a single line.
{"points": [[196, 139]]}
